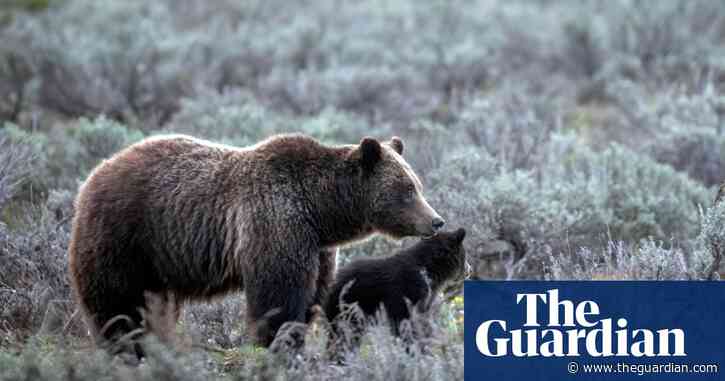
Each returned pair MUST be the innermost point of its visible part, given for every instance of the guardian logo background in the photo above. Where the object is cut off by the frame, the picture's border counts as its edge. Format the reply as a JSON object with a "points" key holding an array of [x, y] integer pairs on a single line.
{"points": [[557, 326]]}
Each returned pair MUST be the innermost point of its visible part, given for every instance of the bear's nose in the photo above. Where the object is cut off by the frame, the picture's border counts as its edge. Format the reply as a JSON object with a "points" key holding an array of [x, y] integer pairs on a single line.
{"points": [[438, 223]]}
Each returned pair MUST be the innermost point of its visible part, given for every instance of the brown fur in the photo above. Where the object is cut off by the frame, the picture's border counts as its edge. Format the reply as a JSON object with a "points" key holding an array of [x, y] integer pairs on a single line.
{"points": [[184, 217]]}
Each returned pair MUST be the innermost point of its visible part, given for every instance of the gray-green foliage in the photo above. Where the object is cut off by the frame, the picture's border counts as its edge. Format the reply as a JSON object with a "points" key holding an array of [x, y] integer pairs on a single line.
{"points": [[690, 133], [237, 118], [573, 140], [35, 363], [135, 70], [234, 118], [632, 196], [63, 157], [576, 198], [95, 140], [707, 259], [384, 62], [697, 151], [34, 288], [510, 125], [437, 355], [672, 40], [649, 259], [14, 166]]}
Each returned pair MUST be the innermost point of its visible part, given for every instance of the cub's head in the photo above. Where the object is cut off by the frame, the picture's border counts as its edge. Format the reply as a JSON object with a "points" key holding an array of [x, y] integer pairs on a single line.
{"points": [[448, 256], [393, 194]]}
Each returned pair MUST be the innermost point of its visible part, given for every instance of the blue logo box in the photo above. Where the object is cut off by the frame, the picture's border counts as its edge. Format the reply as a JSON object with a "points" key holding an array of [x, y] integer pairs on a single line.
{"points": [[638, 330]]}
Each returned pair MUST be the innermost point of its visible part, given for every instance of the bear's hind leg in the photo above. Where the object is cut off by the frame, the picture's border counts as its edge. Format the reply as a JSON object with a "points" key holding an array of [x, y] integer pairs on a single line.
{"points": [[118, 322], [113, 301]]}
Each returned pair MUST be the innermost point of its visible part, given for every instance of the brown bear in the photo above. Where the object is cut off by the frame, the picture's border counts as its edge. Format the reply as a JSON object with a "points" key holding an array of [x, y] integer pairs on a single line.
{"points": [[408, 276], [189, 219]]}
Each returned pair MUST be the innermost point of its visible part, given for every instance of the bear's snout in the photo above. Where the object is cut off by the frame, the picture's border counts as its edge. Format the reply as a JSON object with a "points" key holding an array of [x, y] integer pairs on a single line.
{"points": [[429, 222]]}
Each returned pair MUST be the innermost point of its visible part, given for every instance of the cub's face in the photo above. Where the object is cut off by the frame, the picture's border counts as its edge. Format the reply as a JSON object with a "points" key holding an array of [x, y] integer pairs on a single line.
{"points": [[448, 255], [394, 193], [459, 253]]}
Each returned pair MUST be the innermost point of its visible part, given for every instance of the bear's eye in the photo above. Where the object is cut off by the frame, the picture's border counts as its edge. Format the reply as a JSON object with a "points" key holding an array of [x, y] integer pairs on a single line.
{"points": [[410, 194]]}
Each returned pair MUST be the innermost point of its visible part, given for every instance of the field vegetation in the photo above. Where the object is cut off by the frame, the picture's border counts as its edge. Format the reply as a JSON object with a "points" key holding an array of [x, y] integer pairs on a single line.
{"points": [[572, 139]]}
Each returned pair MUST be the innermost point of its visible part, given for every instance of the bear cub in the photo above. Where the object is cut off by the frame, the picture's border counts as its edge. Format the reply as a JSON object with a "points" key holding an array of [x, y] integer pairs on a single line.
{"points": [[410, 274]]}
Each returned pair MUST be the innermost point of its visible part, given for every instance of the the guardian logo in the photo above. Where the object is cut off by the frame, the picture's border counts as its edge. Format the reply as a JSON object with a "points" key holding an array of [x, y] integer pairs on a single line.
{"points": [[572, 330]]}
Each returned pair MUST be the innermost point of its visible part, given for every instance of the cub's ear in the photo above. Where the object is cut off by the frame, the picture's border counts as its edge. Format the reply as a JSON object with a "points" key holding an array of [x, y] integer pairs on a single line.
{"points": [[370, 152], [459, 235], [397, 144]]}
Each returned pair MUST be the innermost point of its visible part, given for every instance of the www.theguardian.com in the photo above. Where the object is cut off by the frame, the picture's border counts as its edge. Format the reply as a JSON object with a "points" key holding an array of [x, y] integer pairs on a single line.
{"points": [[642, 369]]}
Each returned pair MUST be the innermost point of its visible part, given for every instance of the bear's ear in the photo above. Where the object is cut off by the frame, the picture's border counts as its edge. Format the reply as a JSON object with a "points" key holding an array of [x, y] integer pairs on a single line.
{"points": [[397, 144], [459, 235], [370, 152]]}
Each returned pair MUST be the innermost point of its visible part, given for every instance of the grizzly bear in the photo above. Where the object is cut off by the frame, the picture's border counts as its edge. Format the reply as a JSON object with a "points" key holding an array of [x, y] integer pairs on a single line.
{"points": [[407, 277], [189, 219]]}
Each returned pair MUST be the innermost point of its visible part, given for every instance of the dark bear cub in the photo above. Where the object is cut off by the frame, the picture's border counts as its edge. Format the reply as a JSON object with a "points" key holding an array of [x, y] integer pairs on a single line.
{"points": [[410, 274]]}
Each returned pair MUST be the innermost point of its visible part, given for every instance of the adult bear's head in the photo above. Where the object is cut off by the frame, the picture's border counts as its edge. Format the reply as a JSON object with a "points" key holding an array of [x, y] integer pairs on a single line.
{"points": [[393, 194]]}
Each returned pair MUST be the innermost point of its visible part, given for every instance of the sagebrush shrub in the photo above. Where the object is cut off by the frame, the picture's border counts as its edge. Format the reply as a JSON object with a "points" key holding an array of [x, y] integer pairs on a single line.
{"points": [[707, 259], [15, 165], [580, 198], [666, 41], [699, 152], [96, 140], [510, 126], [437, 354], [232, 117], [650, 259], [131, 72], [35, 289], [15, 73], [237, 118]]}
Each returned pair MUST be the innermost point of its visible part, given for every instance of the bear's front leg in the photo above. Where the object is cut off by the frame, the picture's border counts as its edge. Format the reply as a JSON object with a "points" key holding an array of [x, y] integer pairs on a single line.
{"points": [[328, 266], [280, 294]]}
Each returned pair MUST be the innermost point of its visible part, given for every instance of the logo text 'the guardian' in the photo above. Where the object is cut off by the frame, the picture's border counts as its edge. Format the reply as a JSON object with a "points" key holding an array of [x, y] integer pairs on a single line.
{"points": [[573, 329]]}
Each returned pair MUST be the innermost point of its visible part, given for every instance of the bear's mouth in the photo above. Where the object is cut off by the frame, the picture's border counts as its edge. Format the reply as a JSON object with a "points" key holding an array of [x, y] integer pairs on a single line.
{"points": [[428, 236]]}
